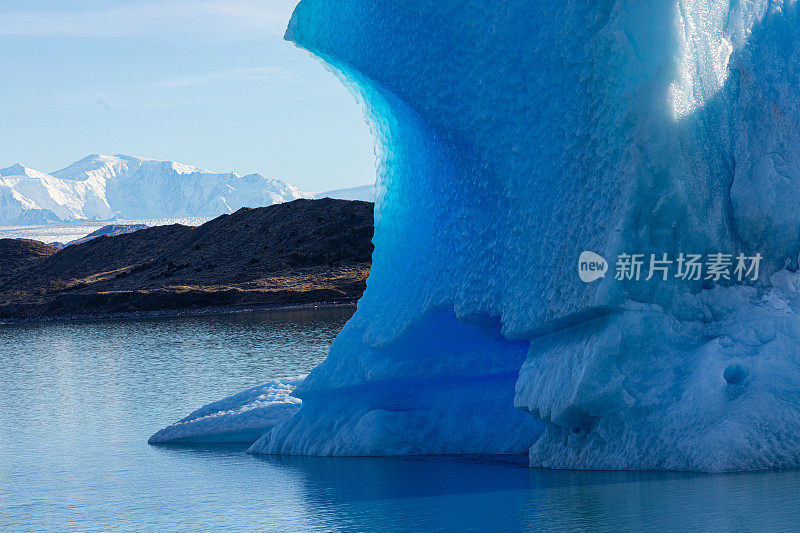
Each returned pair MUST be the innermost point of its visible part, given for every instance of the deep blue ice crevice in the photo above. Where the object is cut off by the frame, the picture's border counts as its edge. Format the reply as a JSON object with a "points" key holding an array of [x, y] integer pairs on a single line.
{"points": [[444, 386]]}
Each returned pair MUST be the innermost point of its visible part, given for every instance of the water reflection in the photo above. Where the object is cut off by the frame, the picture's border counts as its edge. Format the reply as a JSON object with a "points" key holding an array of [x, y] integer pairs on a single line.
{"points": [[79, 400]]}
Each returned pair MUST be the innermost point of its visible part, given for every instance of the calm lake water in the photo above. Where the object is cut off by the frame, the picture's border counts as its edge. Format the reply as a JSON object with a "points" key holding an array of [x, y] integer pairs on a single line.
{"points": [[79, 400]]}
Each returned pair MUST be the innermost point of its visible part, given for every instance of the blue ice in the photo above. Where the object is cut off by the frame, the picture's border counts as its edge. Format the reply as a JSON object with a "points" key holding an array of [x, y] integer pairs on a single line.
{"points": [[513, 135]]}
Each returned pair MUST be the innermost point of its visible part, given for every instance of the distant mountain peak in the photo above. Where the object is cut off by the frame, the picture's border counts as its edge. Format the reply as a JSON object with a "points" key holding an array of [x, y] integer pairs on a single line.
{"points": [[364, 193], [17, 169]]}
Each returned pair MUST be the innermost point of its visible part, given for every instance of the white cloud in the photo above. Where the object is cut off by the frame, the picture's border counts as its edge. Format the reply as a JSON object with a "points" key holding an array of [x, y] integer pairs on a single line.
{"points": [[234, 19]]}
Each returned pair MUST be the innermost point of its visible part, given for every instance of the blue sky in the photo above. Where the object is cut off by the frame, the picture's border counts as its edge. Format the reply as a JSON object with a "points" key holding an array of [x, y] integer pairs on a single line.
{"points": [[206, 82]]}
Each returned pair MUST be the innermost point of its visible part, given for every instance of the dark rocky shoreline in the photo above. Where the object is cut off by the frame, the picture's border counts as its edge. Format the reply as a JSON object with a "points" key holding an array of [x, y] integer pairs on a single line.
{"points": [[171, 313], [301, 253]]}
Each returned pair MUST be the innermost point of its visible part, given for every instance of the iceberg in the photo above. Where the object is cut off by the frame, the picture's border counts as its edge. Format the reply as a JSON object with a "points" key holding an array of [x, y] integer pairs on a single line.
{"points": [[515, 135]]}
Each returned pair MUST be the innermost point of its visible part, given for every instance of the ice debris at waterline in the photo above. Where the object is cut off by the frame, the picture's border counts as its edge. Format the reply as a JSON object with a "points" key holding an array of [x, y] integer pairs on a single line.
{"points": [[243, 417], [515, 135]]}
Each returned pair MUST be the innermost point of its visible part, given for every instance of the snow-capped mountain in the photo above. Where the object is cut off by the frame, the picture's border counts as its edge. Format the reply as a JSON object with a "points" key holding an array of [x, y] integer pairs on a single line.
{"points": [[105, 187]]}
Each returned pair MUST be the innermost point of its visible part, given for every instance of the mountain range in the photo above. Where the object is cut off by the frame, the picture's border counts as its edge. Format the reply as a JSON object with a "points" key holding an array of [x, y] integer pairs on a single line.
{"points": [[100, 187]]}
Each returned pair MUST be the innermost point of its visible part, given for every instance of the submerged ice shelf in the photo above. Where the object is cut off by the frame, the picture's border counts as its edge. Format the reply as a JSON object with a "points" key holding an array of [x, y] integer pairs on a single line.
{"points": [[518, 134]]}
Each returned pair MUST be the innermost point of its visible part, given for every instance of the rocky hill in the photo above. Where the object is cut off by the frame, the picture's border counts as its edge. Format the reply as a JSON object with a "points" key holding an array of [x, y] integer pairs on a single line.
{"points": [[16, 253], [297, 252]]}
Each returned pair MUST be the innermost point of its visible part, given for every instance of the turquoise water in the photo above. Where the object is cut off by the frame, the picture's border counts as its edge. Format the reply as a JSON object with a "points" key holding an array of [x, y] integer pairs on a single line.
{"points": [[79, 400]]}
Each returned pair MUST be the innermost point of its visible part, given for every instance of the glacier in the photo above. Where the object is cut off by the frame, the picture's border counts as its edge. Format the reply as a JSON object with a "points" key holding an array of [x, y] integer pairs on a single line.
{"points": [[512, 137], [102, 187]]}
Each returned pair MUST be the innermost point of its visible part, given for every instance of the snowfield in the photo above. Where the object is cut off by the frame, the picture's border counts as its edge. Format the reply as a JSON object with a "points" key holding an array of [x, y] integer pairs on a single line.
{"points": [[65, 232]]}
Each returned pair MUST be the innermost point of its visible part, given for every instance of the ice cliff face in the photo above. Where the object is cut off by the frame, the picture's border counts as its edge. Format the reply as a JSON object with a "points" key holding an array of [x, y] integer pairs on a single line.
{"points": [[516, 135], [104, 187]]}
